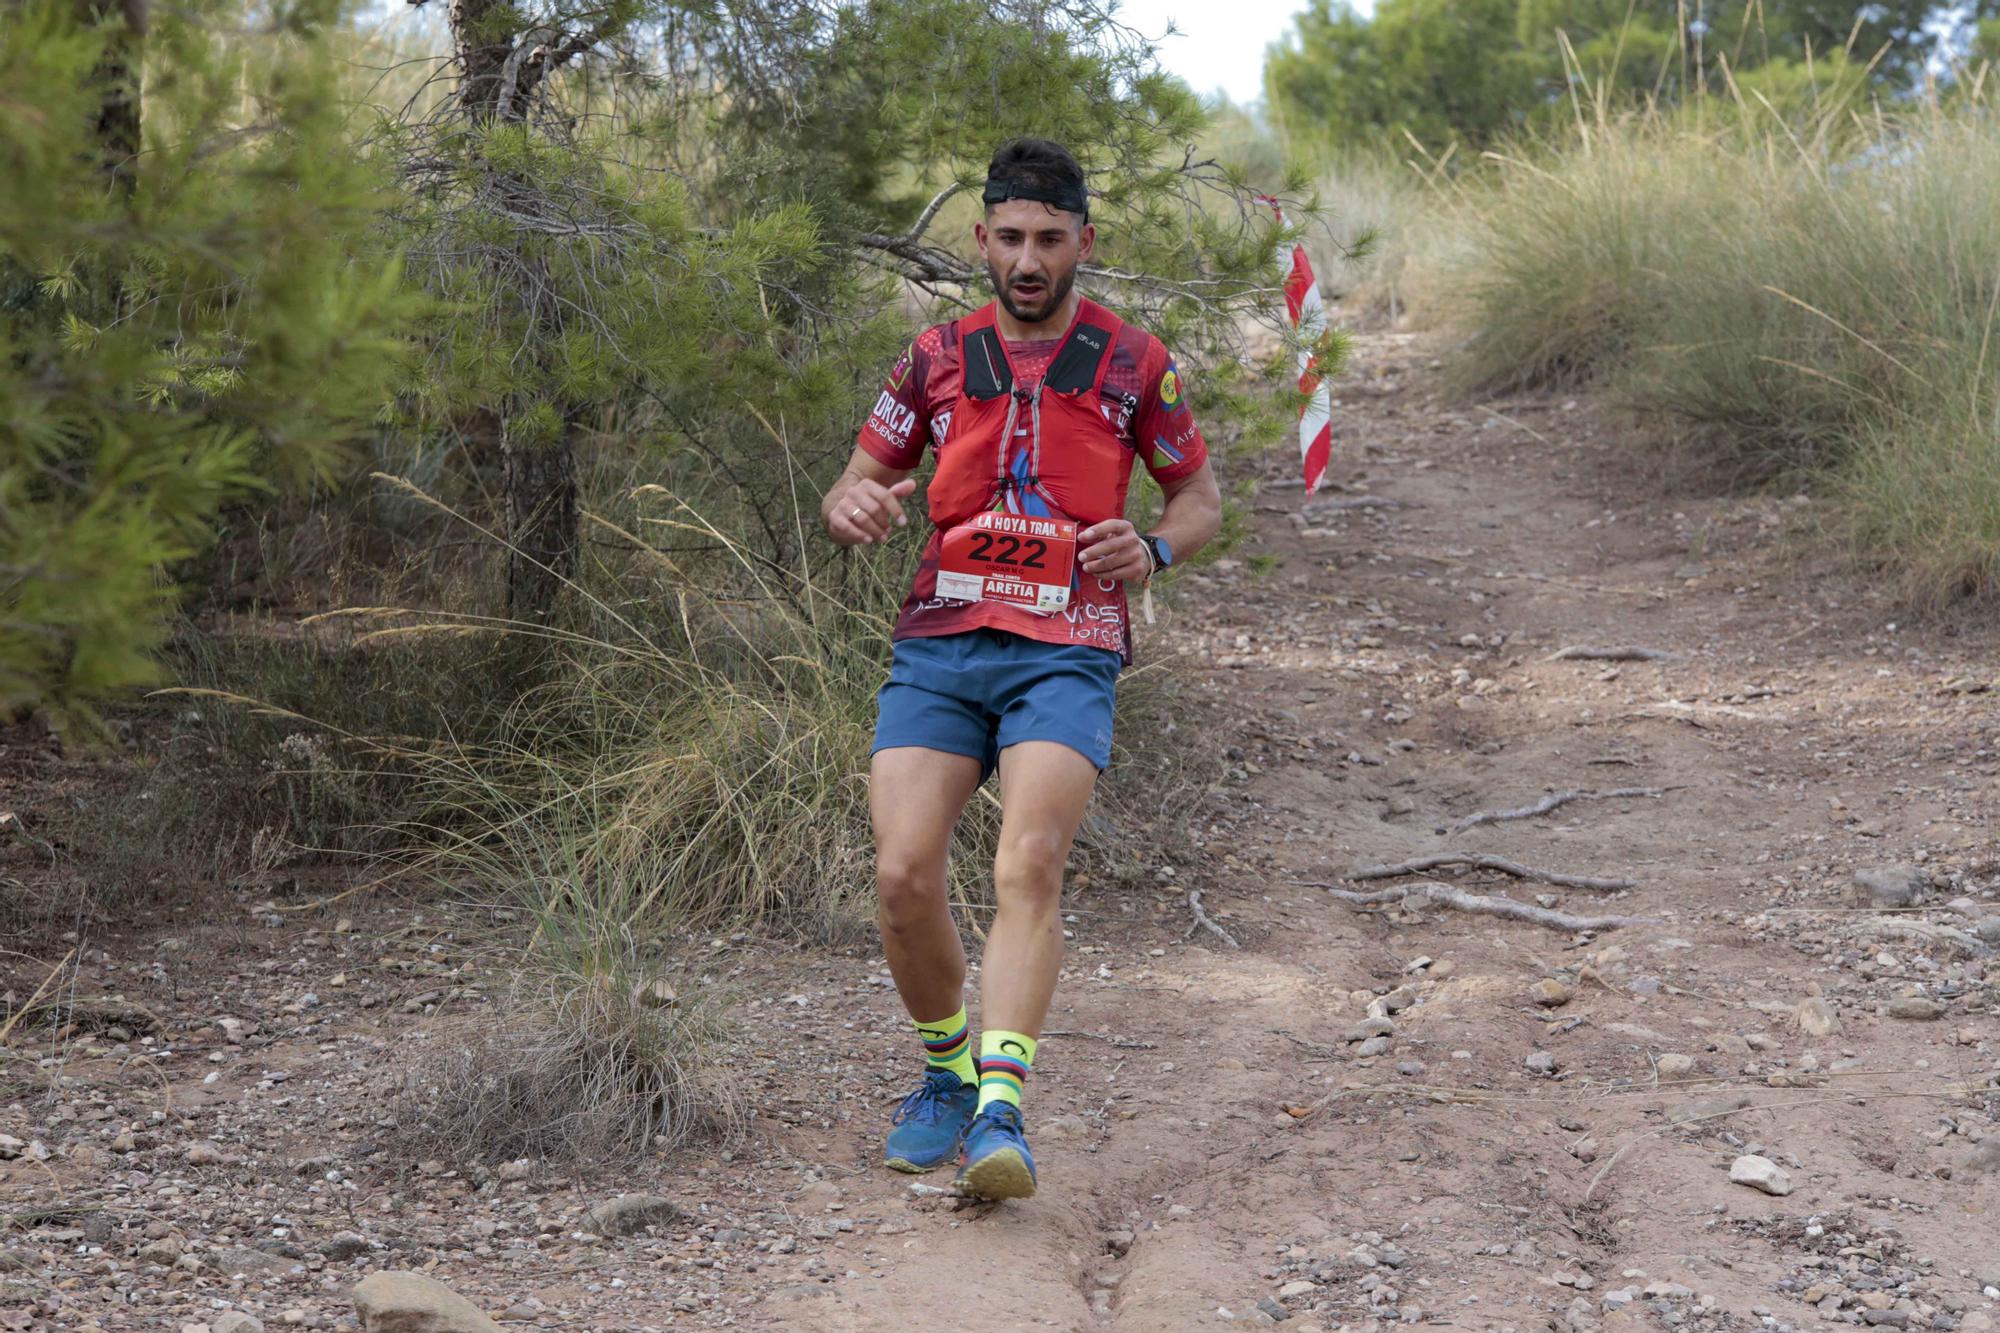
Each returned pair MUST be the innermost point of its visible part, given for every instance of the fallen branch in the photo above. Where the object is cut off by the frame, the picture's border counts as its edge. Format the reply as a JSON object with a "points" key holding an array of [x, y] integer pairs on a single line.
{"points": [[1631, 652], [1123, 1043], [1443, 895], [1483, 861], [1930, 932], [1202, 922], [1553, 801]]}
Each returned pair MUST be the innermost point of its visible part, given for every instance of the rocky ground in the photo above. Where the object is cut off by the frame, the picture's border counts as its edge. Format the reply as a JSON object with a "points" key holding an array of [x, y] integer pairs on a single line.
{"points": [[1769, 1102]]}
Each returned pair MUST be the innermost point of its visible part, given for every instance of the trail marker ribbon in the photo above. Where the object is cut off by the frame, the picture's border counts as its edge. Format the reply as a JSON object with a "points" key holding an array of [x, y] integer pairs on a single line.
{"points": [[1308, 316]]}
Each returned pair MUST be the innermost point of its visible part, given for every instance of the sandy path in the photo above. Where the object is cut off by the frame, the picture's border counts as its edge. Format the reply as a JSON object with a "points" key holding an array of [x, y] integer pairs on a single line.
{"points": [[1378, 673]]}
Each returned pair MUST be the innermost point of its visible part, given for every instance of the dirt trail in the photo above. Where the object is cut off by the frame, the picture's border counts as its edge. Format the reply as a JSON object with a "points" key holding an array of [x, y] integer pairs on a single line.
{"points": [[1211, 1137]]}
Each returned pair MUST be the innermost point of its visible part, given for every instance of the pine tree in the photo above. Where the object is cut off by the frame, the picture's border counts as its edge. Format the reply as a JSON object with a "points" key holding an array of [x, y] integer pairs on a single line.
{"points": [[696, 209], [181, 321]]}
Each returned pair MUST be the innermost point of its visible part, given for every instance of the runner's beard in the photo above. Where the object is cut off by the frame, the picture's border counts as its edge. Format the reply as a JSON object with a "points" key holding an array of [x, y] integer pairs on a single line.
{"points": [[1054, 293]]}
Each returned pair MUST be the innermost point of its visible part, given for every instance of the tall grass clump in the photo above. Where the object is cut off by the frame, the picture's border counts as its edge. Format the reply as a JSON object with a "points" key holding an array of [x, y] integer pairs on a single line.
{"points": [[1811, 298]]}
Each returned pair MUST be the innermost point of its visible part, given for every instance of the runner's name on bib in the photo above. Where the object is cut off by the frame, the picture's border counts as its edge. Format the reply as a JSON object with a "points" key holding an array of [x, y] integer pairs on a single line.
{"points": [[1011, 558]]}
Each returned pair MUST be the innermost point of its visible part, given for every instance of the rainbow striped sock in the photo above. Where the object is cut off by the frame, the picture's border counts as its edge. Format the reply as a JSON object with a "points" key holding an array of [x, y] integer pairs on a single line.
{"points": [[948, 1045], [1004, 1060]]}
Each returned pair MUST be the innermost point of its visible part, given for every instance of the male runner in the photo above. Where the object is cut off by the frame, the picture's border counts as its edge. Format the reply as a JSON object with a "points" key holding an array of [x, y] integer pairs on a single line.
{"points": [[1008, 648]]}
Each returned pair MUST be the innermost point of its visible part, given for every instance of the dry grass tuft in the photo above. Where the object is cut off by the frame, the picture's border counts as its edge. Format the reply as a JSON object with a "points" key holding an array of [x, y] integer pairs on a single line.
{"points": [[592, 1059]]}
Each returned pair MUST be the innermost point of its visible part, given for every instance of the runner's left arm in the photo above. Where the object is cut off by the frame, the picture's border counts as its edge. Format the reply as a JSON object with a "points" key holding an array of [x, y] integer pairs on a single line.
{"points": [[1170, 444]]}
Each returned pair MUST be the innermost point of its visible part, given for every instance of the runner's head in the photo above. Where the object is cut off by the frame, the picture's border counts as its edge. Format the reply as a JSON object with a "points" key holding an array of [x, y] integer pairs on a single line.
{"points": [[1037, 227]]}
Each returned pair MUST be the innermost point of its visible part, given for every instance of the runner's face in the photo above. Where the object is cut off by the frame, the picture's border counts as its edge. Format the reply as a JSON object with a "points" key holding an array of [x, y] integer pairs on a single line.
{"points": [[1032, 251]]}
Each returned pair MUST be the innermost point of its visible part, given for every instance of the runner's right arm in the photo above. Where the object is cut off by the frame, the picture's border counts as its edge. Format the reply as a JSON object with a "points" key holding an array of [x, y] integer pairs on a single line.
{"points": [[866, 504]]}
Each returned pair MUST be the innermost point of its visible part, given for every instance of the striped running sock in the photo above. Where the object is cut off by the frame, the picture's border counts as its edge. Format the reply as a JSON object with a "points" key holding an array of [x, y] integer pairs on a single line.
{"points": [[948, 1045], [1004, 1059]]}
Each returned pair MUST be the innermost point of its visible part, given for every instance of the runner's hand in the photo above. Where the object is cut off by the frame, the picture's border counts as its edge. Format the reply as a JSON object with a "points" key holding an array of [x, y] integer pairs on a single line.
{"points": [[868, 511], [1112, 550]]}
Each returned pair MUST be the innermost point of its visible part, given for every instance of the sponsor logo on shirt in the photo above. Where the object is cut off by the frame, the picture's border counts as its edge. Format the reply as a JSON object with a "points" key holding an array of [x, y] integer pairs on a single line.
{"points": [[1170, 387], [893, 419], [901, 372]]}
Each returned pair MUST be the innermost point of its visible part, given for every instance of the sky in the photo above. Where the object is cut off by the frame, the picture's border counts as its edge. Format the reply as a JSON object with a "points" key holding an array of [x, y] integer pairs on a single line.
{"points": [[1221, 42]]}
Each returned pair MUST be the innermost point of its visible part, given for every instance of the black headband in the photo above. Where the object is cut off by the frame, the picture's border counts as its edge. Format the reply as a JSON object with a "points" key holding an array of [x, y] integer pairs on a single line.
{"points": [[1070, 198]]}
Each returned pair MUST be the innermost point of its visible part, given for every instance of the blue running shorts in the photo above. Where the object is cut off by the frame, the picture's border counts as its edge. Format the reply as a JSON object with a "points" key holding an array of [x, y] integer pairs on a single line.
{"points": [[978, 692]]}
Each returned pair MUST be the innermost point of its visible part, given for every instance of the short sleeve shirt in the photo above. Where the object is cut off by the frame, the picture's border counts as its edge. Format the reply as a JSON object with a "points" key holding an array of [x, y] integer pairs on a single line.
{"points": [[1142, 397]]}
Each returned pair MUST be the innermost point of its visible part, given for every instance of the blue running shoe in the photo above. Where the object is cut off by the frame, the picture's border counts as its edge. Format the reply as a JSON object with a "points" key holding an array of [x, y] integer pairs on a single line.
{"points": [[998, 1164], [930, 1124]]}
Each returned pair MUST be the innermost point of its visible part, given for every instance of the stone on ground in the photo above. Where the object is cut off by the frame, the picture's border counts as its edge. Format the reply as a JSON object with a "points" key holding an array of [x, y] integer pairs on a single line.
{"points": [[413, 1303], [1760, 1173], [629, 1213]]}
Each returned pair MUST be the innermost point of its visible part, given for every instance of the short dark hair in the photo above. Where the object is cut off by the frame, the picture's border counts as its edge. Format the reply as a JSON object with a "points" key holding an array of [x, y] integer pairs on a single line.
{"points": [[1041, 163]]}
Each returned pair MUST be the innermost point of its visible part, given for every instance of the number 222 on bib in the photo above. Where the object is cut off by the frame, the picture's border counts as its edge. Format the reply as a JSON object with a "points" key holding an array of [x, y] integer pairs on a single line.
{"points": [[1012, 558]]}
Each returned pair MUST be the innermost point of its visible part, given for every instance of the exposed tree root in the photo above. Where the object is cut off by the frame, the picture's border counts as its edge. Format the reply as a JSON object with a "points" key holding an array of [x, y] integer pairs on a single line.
{"points": [[1930, 932], [1444, 895], [1553, 801], [1482, 861], [1631, 652], [1201, 921]]}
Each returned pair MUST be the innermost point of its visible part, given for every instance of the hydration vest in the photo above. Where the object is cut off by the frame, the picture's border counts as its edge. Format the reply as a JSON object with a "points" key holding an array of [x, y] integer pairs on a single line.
{"points": [[1045, 451]]}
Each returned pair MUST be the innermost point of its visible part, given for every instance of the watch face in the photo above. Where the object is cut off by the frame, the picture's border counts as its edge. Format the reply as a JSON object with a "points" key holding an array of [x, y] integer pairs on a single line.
{"points": [[1162, 551]]}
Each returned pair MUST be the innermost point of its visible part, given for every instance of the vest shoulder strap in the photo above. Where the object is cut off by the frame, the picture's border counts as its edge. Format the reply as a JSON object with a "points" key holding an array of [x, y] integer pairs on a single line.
{"points": [[983, 359], [1085, 356], [1080, 363]]}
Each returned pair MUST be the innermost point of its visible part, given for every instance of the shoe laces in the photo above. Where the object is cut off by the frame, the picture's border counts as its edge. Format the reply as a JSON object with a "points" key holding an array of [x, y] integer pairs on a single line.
{"points": [[928, 1104], [1003, 1116]]}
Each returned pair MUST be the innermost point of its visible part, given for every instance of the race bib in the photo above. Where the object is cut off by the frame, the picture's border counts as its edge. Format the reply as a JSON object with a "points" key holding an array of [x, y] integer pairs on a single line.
{"points": [[1010, 558]]}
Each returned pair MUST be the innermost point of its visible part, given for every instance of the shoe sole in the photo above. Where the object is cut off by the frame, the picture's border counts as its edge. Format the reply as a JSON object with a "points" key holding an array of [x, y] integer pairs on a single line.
{"points": [[909, 1167], [998, 1175]]}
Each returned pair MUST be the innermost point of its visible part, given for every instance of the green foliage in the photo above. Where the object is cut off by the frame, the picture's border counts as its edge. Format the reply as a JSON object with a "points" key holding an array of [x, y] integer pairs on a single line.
{"points": [[1432, 68], [166, 351], [1795, 303], [1477, 72]]}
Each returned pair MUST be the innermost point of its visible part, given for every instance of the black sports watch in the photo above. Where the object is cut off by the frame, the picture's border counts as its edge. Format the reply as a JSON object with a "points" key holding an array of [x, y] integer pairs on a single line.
{"points": [[1161, 554]]}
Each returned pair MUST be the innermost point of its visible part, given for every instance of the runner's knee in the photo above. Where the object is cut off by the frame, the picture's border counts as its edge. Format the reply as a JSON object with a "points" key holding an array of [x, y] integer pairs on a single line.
{"points": [[909, 889], [1029, 868]]}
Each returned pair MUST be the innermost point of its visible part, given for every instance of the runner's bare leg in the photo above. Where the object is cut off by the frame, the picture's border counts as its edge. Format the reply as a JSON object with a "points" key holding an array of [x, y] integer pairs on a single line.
{"points": [[915, 797], [1044, 789]]}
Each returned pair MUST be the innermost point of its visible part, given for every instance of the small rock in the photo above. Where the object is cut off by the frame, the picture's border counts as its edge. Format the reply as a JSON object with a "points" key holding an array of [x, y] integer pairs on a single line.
{"points": [[1298, 1288], [10, 1147], [1369, 1027], [1540, 1062], [1984, 1159], [1988, 930], [203, 1153], [1674, 1066], [1550, 993], [1694, 1111], [518, 1169], [1670, 1291], [1273, 1309], [397, 1302], [238, 1259], [1119, 1242], [164, 1252], [1898, 885], [1619, 1298], [1915, 1007], [235, 1322], [345, 1245], [1372, 1047], [1816, 1018], [1760, 1173], [1410, 1068], [629, 1213]]}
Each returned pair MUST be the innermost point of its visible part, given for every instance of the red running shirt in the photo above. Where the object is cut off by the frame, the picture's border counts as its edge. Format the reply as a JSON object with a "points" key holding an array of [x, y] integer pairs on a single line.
{"points": [[1142, 397]]}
